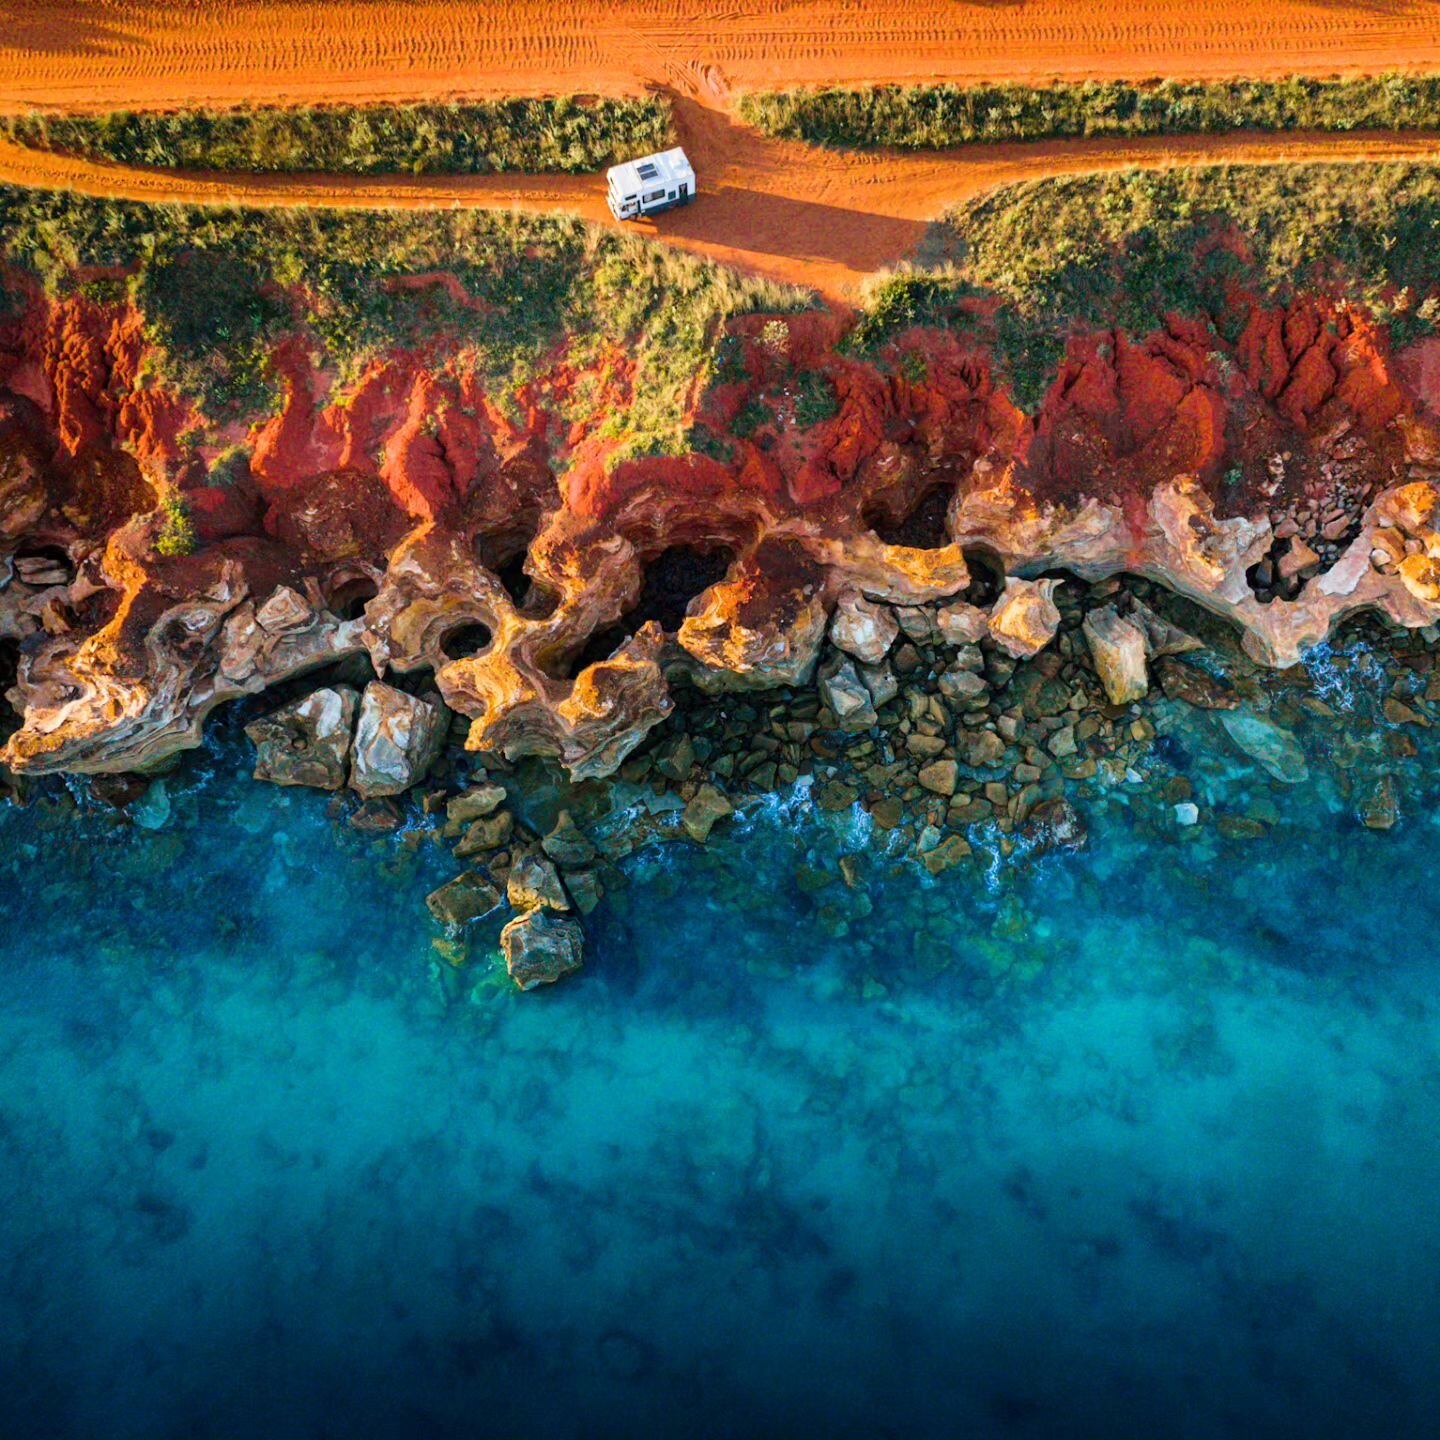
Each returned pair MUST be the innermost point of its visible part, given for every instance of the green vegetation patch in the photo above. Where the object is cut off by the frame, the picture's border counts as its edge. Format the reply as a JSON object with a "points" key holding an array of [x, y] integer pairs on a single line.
{"points": [[220, 288], [474, 138], [923, 117], [1031, 262]]}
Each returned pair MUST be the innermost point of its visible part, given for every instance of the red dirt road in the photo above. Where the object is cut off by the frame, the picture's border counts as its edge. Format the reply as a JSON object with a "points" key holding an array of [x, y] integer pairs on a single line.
{"points": [[109, 53]]}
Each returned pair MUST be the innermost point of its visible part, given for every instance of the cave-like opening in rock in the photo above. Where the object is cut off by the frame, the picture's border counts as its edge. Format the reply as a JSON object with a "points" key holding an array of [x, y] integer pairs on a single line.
{"points": [[987, 577], [43, 564], [673, 579], [921, 526], [349, 599], [506, 561], [466, 641], [9, 670]]}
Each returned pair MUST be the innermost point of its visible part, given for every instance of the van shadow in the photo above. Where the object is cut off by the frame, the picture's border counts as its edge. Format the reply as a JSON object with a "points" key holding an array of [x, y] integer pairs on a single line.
{"points": [[733, 217]]}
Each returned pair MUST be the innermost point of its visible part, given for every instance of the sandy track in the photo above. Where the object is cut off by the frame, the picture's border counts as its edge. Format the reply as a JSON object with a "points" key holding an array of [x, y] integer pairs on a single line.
{"points": [[808, 217], [107, 53]]}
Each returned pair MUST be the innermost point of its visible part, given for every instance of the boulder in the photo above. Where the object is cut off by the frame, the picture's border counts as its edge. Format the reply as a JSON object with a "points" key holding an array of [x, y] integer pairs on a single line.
{"points": [[463, 899], [1118, 647], [965, 690], [1195, 687], [1273, 747], [845, 693], [397, 739], [880, 681], [1025, 618], [1379, 806], [700, 815], [567, 844], [541, 948], [1161, 637], [863, 629], [961, 624], [534, 884], [488, 833], [474, 804], [940, 777], [918, 623], [1056, 824], [307, 742]]}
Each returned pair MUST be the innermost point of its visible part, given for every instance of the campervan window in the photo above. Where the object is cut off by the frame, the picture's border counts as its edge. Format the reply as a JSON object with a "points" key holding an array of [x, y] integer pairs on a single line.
{"points": [[653, 195]]}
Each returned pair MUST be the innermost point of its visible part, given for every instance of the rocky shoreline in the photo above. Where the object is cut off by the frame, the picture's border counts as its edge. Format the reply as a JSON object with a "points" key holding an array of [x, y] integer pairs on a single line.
{"points": [[874, 576]]}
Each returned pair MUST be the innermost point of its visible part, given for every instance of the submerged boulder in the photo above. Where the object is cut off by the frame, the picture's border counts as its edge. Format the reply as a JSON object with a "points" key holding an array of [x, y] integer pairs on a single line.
{"points": [[307, 742], [542, 947], [1272, 746], [397, 739], [463, 899]]}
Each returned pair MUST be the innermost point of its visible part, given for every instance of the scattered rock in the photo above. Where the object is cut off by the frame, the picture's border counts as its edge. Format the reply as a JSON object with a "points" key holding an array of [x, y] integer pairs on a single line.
{"points": [[1273, 747], [1187, 813], [397, 738], [534, 883], [1118, 647], [541, 948], [846, 694], [567, 844], [307, 742], [1379, 808], [474, 804], [700, 815], [940, 777], [1025, 617], [862, 628], [463, 899]]}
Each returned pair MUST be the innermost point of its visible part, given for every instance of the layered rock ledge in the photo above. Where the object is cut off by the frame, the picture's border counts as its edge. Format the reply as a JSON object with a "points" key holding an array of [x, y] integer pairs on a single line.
{"points": [[1283, 482]]}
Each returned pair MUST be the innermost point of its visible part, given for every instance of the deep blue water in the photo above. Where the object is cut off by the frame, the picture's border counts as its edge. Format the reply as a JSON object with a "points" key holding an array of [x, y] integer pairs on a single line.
{"points": [[1140, 1141]]}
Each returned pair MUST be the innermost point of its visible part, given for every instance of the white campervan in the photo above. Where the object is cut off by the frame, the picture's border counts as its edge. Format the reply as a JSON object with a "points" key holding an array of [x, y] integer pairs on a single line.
{"points": [[651, 183]]}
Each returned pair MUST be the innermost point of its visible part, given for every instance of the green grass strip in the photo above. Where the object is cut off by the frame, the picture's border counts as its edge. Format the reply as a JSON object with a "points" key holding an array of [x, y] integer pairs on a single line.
{"points": [[925, 117], [474, 138]]}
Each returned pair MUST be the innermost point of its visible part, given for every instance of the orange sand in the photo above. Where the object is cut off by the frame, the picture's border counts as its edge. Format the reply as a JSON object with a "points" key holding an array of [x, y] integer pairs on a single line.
{"points": [[109, 53]]}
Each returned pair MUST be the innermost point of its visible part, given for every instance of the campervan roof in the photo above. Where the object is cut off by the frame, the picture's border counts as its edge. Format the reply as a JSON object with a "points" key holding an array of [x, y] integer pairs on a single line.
{"points": [[667, 168]]}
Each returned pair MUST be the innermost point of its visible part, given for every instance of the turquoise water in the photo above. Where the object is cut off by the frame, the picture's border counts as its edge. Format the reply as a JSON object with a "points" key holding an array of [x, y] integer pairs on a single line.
{"points": [[1141, 1140]]}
